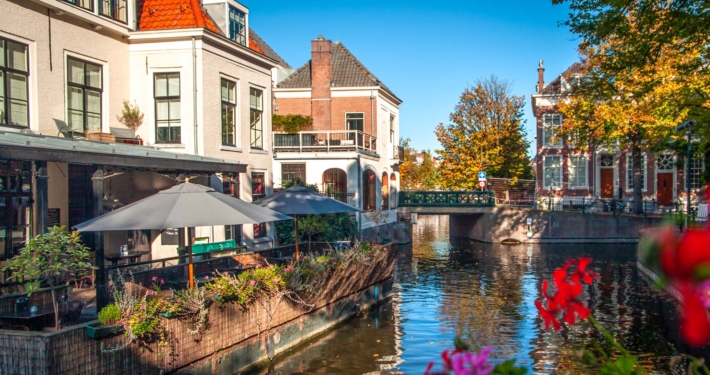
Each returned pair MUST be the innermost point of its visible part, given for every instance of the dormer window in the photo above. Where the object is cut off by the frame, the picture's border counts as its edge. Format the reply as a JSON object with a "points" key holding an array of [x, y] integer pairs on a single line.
{"points": [[116, 9], [237, 26], [86, 4]]}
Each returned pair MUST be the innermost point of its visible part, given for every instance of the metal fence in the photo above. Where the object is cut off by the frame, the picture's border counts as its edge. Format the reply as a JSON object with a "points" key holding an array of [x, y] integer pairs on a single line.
{"points": [[615, 206]]}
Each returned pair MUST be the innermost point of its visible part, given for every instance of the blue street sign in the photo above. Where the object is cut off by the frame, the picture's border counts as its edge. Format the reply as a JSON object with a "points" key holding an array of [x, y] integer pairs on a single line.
{"points": [[482, 176]]}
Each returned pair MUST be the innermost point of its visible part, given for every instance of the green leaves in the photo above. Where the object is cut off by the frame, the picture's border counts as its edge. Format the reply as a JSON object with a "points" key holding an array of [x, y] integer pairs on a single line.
{"points": [[623, 366], [509, 368], [291, 123]]}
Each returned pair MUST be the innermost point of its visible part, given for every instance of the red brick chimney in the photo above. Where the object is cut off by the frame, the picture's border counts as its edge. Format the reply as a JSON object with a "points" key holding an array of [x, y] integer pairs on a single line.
{"points": [[540, 77], [321, 76]]}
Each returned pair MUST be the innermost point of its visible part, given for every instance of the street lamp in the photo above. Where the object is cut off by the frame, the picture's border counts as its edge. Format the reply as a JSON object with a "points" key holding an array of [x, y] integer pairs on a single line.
{"points": [[688, 127]]}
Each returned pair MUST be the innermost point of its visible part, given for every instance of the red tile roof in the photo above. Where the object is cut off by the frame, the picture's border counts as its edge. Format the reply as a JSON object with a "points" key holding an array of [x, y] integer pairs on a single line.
{"points": [[173, 14], [253, 45]]}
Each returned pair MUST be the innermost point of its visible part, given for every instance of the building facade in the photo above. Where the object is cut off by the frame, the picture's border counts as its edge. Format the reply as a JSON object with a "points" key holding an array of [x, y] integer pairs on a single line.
{"points": [[203, 83], [352, 151], [565, 174]]}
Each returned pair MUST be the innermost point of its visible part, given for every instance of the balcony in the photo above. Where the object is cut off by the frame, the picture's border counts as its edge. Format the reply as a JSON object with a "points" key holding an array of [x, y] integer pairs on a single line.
{"points": [[325, 141], [398, 153]]}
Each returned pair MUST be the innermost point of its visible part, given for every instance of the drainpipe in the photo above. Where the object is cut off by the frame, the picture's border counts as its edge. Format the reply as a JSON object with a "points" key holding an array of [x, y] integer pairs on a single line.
{"points": [[194, 89], [359, 193]]}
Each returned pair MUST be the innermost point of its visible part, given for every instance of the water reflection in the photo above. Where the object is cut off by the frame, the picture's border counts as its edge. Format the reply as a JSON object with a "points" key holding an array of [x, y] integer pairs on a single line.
{"points": [[486, 294]]}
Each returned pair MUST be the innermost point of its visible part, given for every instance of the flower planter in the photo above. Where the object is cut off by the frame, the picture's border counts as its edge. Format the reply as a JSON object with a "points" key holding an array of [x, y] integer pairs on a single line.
{"points": [[96, 330]]}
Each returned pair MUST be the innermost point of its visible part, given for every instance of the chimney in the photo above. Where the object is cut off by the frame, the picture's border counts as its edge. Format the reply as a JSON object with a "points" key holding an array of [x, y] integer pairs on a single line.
{"points": [[540, 77], [321, 76]]}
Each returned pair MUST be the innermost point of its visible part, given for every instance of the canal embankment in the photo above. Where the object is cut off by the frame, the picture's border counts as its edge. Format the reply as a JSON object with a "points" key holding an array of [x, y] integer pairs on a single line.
{"points": [[236, 337], [538, 226]]}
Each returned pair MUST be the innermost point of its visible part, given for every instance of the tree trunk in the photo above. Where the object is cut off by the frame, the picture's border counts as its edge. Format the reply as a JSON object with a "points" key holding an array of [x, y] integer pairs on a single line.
{"points": [[638, 175], [55, 305]]}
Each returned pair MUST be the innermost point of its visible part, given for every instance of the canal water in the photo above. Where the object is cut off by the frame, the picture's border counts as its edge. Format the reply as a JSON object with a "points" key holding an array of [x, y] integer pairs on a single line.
{"points": [[485, 293]]}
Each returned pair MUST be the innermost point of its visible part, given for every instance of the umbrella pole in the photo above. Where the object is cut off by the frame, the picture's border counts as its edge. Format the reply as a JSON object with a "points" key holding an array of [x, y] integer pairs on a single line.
{"points": [[190, 269], [295, 219]]}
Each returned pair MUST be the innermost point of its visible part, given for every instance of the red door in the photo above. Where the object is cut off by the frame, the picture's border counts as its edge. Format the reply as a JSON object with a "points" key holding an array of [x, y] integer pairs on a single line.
{"points": [[607, 182], [664, 188]]}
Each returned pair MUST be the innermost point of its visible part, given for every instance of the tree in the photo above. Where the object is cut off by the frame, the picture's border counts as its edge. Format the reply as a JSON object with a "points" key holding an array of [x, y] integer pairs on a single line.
{"points": [[131, 116], [415, 176], [291, 123], [487, 134], [53, 258], [636, 107]]}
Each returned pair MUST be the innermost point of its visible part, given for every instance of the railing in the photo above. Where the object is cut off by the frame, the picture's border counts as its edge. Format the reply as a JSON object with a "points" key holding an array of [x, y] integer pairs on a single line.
{"points": [[446, 199], [345, 197], [614, 206], [324, 141]]}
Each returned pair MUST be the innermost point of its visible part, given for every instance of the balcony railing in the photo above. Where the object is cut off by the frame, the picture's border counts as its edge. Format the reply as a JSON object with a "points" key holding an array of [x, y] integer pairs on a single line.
{"points": [[325, 141], [398, 153]]}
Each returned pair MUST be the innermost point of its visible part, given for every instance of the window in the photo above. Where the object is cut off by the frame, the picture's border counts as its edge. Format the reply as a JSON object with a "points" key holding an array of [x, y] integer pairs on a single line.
{"points": [[630, 172], [230, 185], [167, 107], [290, 172], [229, 111], [552, 172], [14, 73], [116, 9], [255, 123], [696, 170], [237, 26], [551, 124], [665, 162], [260, 230], [84, 89], [335, 184], [354, 121], [15, 206], [257, 186], [369, 192], [86, 4], [385, 204], [233, 232], [392, 129], [577, 176]]}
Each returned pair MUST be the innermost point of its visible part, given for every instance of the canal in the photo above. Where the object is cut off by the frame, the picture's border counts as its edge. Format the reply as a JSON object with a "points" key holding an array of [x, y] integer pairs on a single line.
{"points": [[485, 293]]}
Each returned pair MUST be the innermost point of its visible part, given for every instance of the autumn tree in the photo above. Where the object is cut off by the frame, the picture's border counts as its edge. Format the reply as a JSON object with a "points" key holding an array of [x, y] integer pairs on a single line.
{"points": [[487, 134], [628, 98], [416, 176]]}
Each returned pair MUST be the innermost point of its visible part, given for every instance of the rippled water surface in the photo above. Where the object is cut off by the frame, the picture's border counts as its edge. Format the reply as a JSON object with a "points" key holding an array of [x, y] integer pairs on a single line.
{"points": [[486, 294]]}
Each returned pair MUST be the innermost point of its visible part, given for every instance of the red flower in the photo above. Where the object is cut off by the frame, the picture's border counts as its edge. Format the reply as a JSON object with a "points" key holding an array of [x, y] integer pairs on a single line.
{"points": [[667, 252], [694, 323], [693, 252], [583, 274], [549, 315]]}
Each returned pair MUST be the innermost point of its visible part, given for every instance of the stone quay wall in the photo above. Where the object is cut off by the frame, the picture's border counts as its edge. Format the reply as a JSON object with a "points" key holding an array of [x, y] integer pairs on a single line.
{"points": [[231, 342], [550, 226]]}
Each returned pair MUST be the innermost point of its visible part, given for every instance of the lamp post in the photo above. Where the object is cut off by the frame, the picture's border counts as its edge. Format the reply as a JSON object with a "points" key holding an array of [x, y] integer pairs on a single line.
{"points": [[688, 127]]}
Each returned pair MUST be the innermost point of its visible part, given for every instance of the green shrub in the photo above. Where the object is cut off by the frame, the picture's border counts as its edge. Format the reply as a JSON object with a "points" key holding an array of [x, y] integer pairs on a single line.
{"points": [[110, 314]]}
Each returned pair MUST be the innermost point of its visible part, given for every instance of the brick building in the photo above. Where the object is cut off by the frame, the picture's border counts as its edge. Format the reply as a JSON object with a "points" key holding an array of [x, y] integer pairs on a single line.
{"points": [[351, 152], [566, 173]]}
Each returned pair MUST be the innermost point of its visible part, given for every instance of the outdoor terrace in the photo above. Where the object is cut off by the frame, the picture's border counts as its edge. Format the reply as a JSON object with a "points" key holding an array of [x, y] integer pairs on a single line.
{"points": [[325, 141]]}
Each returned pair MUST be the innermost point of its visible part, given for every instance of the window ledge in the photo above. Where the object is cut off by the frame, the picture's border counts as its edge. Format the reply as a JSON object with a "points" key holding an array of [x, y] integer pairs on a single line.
{"points": [[257, 151], [160, 146], [230, 148], [261, 240]]}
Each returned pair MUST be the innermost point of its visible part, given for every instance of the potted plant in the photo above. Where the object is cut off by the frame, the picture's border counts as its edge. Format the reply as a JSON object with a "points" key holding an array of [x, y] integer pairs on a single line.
{"points": [[53, 258], [131, 116], [109, 323]]}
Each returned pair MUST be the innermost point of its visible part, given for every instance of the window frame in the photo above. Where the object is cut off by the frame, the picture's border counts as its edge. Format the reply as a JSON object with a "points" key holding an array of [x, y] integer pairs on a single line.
{"points": [[74, 3], [545, 186], [260, 230], [84, 97], [113, 5], [253, 130], [695, 177], [392, 129], [168, 97], [255, 196], [4, 70], [233, 36], [629, 176], [233, 105], [571, 165], [545, 127], [283, 173]]}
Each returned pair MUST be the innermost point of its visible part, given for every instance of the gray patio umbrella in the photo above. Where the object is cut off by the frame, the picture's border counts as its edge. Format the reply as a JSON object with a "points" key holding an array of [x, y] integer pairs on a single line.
{"points": [[182, 206], [300, 200]]}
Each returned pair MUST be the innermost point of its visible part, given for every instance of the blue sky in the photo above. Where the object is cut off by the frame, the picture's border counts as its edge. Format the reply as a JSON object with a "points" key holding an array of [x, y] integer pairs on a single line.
{"points": [[427, 52]]}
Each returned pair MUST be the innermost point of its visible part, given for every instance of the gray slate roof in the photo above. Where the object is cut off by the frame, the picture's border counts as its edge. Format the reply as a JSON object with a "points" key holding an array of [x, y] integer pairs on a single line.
{"points": [[348, 71], [554, 87], [269, 51]]}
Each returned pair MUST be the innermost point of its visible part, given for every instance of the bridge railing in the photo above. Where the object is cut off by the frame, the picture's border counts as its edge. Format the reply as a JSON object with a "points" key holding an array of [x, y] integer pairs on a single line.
{"points": [[446, 199]]}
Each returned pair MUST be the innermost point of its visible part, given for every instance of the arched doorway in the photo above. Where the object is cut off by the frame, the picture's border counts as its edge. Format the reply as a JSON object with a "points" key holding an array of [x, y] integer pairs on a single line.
{"points": [[335, 184], [369, 190], [393, 191], [385, 191]]}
